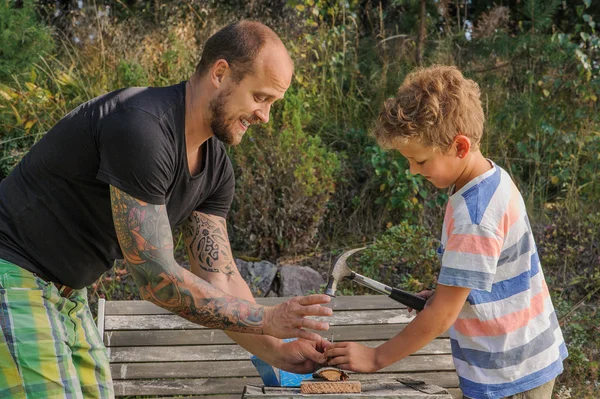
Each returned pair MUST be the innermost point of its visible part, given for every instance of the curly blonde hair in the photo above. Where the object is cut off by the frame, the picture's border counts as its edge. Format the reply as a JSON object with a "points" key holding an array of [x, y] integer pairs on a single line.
{"points": [[433, 105]]}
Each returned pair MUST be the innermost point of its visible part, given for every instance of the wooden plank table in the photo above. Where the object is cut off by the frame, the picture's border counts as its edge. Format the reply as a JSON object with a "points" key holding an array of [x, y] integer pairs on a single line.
{"points": [[159, 354], [375, 389]]}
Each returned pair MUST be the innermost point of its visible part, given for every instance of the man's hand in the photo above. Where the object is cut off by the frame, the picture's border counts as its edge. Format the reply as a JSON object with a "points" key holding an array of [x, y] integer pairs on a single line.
{"points": [[352, 356], [302, 356], [427, 295], [287, 319]]}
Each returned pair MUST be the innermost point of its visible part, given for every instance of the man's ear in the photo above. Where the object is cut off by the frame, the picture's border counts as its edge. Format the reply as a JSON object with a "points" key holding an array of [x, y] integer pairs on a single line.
{"points": [[218, 72], [462, 145]]}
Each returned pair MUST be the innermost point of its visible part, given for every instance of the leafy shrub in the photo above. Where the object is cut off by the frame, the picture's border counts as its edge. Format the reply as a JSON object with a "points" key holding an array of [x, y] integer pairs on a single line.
{"points": [[540, 93], [22, 38], [401, 190], [284, 178], [569, 248], [131, 73], [404, 256]]}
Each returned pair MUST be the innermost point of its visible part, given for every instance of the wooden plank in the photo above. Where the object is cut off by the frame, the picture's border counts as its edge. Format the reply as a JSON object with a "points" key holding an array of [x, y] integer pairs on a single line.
{"points": [[455, 392], [378, 390], [225, 396], [244, 368], [360, 302], [214, 337], [174, 322], [200, 386], [420, 385], [223, 352]]}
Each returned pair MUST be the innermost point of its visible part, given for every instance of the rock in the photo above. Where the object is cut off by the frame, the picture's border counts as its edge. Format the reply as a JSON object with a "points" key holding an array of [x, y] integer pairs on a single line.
{"points": [[258, 275], [299, 280]]}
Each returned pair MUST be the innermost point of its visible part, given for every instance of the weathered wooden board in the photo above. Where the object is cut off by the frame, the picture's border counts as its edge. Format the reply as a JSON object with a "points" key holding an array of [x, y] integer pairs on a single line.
{"points": [[216, 337], [244, 368], [362, 302], [389, 389], [222, 352], [199, 386], [174, 322], [226, 396], [456, 393]]}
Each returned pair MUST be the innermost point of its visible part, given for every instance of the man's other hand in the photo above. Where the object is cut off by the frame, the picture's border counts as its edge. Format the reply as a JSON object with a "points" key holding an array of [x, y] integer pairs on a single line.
{"points": [[287, 320], [302, 356]]}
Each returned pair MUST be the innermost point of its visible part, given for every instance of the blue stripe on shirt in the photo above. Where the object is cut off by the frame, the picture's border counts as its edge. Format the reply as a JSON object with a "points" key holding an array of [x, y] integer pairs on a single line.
{"points": [[479, 196], [501, 290], [513, 252], [535, 263], [507, 288], [465, 278]]}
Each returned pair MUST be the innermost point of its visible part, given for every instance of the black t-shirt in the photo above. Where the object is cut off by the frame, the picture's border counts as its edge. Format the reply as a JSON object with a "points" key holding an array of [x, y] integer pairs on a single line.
{"points": [[55, 213]]}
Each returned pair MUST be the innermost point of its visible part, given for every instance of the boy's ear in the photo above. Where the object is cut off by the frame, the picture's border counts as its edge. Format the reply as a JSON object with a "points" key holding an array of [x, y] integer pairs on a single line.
{"points": [[463, 145]]}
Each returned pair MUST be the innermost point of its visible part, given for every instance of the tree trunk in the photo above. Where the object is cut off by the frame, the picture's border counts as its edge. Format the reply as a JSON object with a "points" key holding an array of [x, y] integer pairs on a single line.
{"points": [[421, 36]]}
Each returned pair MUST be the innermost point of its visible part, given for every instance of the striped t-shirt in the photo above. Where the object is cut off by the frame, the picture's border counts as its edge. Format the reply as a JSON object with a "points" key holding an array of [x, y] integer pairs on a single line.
{"points": [[506, 338]]}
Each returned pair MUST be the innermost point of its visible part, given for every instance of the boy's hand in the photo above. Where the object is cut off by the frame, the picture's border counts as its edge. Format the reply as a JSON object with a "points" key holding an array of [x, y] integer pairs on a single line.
{"points": [[425, 294], [352, 356]]}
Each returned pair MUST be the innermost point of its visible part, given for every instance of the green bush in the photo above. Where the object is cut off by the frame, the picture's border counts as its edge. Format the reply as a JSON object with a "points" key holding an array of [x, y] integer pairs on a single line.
{"points": [[399, 189], [569, 248], [404, 257], [131, 73], [284, 179], [22, 38]]}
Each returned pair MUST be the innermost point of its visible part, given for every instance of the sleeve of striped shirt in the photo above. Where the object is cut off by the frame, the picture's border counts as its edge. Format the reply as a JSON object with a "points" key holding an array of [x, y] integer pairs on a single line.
{"points": [[470, 257]]}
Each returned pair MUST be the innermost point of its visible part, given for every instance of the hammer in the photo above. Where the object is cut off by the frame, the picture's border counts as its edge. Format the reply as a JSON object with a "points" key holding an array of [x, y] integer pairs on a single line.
{"points": [[340, 271]]}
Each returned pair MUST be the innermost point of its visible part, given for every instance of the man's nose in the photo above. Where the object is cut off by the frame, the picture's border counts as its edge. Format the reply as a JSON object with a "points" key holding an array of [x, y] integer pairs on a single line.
{"points": [[263, 114]]}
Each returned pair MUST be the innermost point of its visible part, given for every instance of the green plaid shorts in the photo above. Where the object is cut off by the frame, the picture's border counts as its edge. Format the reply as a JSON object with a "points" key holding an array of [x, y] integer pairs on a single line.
{"points": [[49, 345]]}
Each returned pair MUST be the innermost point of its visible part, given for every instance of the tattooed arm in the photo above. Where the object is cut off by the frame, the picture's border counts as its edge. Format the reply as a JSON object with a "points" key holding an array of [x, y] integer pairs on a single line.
{"points": [[209, 252], [145, 237]]}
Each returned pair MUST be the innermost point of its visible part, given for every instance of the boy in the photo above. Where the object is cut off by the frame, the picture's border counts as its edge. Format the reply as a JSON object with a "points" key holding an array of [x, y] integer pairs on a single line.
{"points": [[491, 291]]}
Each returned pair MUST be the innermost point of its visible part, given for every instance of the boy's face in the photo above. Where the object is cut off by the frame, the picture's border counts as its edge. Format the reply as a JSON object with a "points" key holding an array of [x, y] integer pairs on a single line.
{"points": [[442, 169]]}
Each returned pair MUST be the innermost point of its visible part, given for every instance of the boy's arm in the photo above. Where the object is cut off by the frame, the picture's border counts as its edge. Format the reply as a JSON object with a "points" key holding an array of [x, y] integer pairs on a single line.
{"points": [[431, 322]]}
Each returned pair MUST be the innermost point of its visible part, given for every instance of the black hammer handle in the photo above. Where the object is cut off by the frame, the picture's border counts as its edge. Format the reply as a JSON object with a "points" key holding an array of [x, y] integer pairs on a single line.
{"points": [[405, 298], [408, 299]]}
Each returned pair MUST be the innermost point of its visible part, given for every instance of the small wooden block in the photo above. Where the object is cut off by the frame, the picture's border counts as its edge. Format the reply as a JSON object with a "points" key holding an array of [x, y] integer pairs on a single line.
{"points": [[310, 387]]}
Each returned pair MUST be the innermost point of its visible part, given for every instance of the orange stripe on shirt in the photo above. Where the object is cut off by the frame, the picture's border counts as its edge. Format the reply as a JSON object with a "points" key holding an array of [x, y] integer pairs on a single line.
{"points": [[449, 219], [474, 244], [512, 213], [504, 324]]}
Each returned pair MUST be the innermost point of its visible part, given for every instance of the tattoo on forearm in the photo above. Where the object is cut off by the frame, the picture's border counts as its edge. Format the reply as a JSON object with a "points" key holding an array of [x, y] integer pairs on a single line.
{"points": [[144, 233], [208, 243]]}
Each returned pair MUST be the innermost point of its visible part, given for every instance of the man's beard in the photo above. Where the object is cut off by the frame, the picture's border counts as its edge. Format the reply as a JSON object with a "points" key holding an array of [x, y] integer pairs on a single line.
{"points": [[218, 124]]}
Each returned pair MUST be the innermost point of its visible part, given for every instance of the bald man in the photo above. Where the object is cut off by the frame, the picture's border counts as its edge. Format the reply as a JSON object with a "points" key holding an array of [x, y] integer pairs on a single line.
{"points": [[109, 181]]}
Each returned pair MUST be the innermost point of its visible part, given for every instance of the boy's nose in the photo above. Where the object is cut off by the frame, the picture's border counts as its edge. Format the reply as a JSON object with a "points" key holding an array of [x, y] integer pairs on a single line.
{"points": [[413, 169]]}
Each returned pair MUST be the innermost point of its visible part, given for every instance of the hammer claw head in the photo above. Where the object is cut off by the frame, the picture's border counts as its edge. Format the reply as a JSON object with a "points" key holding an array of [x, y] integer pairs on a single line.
{"points": [[339, 271]]}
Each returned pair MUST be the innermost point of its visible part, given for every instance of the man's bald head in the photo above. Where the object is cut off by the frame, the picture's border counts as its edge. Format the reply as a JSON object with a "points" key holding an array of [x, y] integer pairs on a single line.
{"points": [[238, 44]]}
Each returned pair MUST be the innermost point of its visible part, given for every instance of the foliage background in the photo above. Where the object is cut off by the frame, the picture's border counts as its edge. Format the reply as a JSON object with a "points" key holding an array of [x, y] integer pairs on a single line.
{"points": [[313, 182]]}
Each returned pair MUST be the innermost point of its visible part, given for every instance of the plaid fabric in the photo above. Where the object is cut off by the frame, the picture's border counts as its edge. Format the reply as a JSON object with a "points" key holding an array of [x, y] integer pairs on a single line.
{"points": [[49, 345]]}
